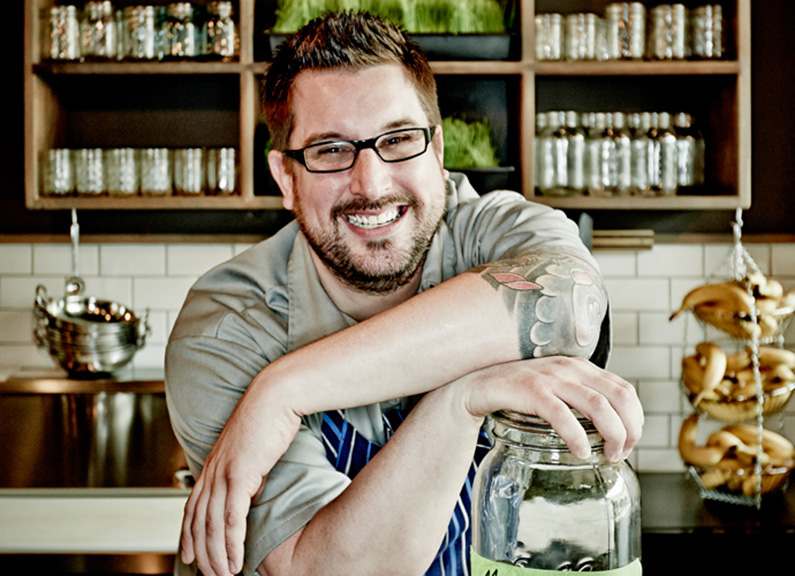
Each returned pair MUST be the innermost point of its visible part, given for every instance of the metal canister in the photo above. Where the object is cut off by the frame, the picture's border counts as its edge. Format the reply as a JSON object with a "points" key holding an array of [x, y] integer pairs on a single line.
{"points": [[535, 506], [707, 27], [625, 24]]}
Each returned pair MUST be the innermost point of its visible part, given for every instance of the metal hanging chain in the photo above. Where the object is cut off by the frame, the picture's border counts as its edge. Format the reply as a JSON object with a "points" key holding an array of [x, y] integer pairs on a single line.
{"points": [[741, 261]]}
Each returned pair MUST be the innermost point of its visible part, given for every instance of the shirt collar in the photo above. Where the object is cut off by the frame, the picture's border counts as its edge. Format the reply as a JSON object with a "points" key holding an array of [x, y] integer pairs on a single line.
{"points": [[313, 314]]}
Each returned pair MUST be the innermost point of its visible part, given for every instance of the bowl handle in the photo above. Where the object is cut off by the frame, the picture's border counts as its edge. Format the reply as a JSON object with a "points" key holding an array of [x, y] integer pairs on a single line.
{"points": [[143, 329], [41, 295]]}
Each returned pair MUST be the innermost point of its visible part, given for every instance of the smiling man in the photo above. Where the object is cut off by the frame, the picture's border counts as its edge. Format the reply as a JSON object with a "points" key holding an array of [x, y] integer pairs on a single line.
{"points": [[381, 221], [331, 384]]}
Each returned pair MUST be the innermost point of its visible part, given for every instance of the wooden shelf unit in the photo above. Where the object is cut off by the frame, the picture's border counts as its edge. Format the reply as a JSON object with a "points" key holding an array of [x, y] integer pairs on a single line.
{"points": [[55, 114]]}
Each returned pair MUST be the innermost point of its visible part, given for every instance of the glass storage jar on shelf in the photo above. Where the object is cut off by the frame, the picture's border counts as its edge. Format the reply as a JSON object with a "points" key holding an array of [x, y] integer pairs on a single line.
{"points": [[609, 155], [596, 123], [98, 31], [662, 155], [220, 36], [561, 155], [639, 125], [535, 506], [690, 150], [180, 33]]}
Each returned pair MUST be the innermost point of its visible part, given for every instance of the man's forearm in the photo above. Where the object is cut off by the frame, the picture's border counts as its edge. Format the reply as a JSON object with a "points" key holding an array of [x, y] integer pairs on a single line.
{"points": [[527, 307], [393, 516], [557, 301]]}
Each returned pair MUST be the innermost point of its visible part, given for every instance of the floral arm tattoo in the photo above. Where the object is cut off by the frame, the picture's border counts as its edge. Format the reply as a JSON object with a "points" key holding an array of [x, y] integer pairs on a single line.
{"points": [[558, 300]]}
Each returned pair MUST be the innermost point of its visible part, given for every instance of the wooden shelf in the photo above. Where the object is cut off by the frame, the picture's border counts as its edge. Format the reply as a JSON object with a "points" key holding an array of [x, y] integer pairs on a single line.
{"points": [[480, 68], [229, 110], [641, 68], [640, 203], [164, 203], [140, 68]]}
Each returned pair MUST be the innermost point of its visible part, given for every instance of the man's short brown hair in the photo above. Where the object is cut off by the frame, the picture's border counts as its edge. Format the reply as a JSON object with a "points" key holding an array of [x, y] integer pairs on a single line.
{"points": [[348, 40]]}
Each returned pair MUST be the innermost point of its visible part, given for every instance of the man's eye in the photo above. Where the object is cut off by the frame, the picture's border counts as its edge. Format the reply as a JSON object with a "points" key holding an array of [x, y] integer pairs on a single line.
{"points": [[331, 150], [397, 140]]}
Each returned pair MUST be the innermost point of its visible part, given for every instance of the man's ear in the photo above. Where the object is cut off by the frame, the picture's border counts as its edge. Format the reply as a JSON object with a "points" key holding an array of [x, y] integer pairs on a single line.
{"points": [[282, 176], [438, 146]]}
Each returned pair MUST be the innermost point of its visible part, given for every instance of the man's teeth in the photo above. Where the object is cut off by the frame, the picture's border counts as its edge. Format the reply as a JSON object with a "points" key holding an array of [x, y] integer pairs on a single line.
{"points": [[374, 221]]}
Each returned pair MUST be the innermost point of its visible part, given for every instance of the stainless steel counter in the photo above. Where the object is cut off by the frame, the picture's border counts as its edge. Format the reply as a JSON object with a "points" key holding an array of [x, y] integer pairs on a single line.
{"points": [[106, 433], [91, 474]]}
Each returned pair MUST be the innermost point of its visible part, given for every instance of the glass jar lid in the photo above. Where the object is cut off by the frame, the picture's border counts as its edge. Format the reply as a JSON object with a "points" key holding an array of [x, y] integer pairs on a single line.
{"points": [[535, 432]]}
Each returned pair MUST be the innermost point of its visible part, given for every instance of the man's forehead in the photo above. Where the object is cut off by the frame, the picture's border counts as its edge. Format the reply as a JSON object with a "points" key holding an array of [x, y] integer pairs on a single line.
{"points": [[340, 100], [328, 82]]}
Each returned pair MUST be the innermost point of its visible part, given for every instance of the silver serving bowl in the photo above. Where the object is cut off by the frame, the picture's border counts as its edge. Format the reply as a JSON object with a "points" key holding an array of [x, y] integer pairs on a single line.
{"points": [[83, 314], [85, 335]]}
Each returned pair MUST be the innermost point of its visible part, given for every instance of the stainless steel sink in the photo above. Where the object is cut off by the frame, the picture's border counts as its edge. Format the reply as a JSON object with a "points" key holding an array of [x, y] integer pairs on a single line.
{"points": [[62, 433]]}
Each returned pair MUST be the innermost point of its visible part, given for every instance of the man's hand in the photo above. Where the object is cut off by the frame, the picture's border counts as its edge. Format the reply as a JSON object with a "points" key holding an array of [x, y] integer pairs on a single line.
{"points": [[214, 524], [548, 387]]}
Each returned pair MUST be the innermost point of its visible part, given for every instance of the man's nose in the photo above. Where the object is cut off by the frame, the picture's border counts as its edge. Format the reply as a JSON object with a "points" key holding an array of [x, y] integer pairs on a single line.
{"points": [[370, 175]]}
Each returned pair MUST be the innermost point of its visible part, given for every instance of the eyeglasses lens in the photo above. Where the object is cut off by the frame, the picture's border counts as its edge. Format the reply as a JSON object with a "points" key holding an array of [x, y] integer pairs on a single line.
{"points": [[390, 147]]}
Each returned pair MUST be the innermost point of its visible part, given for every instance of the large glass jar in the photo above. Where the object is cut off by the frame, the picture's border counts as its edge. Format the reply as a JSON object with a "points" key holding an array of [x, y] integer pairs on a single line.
{"points": [[535, 506]]}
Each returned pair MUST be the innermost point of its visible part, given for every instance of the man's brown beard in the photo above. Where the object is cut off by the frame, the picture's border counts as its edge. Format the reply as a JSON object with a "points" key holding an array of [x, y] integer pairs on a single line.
{"points": [[334, 253]]}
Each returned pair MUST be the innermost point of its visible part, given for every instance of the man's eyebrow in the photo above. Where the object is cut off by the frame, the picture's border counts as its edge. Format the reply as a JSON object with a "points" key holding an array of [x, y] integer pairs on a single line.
{"points": [[323, 137], [332, 136], [402, 123]]}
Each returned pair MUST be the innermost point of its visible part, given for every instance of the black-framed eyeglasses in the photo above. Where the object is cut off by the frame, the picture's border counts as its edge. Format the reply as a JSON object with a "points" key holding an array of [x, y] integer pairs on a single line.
{"points": [[339, 155]]}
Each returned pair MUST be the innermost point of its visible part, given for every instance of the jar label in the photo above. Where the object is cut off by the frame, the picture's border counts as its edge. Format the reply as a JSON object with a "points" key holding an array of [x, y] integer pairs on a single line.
{"points": [[483, 567]]}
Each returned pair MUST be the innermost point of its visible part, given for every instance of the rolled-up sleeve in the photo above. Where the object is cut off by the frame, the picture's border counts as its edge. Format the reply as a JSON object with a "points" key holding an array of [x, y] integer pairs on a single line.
{"points": [[233, 324]]}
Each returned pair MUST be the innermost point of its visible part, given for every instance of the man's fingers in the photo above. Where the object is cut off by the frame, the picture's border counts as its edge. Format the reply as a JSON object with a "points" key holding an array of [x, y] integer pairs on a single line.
{"points": [[215, 527], [607, 421], [624, 402], [560, 417], [238, 502], [187, 552], [605, 398], [198, 527], [614, 408]]}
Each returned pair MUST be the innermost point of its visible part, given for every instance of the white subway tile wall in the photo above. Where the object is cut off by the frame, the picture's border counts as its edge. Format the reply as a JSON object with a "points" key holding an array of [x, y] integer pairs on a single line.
{"points": [[645, 287]]}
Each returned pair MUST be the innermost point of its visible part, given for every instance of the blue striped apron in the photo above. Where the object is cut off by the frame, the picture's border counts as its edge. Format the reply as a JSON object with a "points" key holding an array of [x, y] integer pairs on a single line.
{"points": [[349, 451]]}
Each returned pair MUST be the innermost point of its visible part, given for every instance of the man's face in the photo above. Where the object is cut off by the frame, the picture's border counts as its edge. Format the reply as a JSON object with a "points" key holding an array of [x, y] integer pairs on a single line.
{"points": [[371, 224]]}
